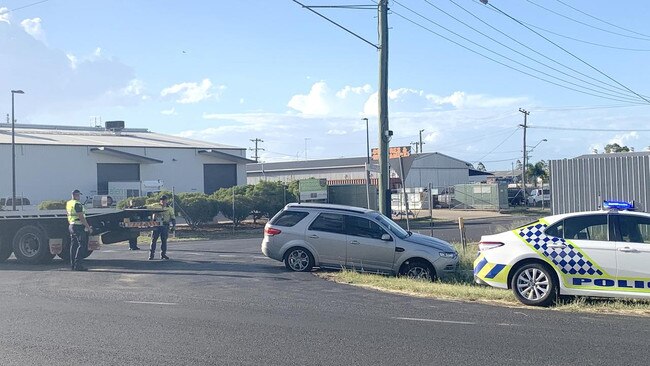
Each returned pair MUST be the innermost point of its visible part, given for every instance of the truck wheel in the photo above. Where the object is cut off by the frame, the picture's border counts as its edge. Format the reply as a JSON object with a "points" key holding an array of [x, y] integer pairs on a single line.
{"points": [[31, 245], [5, 249], [65, 251]]}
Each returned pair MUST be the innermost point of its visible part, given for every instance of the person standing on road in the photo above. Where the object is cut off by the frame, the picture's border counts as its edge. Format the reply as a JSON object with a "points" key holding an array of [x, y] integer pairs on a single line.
{"points": [[133, 243], [79, 230], [165, 218]]}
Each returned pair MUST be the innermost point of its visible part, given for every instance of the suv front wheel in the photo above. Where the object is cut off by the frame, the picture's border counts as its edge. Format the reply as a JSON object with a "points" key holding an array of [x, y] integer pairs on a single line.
{"points": [[418, 269], [299, 260]]}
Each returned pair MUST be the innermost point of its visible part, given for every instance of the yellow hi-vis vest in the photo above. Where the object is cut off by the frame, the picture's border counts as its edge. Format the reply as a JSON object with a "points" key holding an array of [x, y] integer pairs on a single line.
{"points": [[73, 216], [165, 216]]}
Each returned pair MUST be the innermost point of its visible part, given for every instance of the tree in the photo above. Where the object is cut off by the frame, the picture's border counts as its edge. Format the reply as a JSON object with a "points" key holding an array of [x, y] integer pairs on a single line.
{"points": [[269, 198], [198, 208], [615, 148], [518, 164], [538, 170], [243, 205], [480, 167]]}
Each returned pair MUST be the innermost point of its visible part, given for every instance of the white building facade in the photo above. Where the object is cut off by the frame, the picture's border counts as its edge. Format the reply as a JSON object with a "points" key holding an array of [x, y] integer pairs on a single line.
{"points": [[51, 161]]}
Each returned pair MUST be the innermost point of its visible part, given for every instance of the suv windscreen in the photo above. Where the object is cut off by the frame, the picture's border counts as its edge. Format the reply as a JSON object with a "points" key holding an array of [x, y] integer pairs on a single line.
{"points": [[328, 222], [392, 226], [289, 218], [359, 226]]}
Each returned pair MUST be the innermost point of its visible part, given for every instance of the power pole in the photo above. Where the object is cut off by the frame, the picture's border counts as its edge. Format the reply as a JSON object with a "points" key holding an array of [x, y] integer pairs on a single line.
{"points": [[416, 144], [384, 133], [256, 149], [523, 166], [421, 142]]}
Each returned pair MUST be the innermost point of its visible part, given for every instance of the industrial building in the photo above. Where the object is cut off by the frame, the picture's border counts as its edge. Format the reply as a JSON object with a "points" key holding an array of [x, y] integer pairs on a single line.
{"points": [[50, 161], [420, 170], [584, 182]]}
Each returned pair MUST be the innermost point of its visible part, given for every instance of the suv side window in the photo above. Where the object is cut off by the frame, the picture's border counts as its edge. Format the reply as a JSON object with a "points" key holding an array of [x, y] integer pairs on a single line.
{"points": [[634, 229], [328, 222], [359, 226], [289, 218], [587, 227]]}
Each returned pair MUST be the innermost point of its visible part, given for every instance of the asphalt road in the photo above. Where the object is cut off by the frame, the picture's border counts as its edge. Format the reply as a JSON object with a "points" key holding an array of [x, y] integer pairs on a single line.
{"points": [[223, 303]]}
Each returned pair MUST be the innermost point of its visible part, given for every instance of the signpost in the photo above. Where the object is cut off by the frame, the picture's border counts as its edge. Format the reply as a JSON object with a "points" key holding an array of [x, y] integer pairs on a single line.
{"points": [[312, 189]]}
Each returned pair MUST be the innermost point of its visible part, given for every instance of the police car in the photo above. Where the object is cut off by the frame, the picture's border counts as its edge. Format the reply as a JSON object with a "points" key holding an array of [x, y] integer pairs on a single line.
{"points": [[597, 253]]}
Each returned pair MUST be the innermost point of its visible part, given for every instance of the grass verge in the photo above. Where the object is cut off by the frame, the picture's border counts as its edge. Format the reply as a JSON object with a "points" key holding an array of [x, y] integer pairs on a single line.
{"points": [[461, 287]]}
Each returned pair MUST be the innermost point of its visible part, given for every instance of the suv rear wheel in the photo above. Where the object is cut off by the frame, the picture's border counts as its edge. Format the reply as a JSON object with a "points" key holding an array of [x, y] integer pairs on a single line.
{"points": [[299, 260]]}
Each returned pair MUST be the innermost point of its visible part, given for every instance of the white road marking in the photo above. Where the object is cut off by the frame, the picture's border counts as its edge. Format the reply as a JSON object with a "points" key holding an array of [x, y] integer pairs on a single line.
{"points": [[151, 303], [228, 255], [437, 321]]}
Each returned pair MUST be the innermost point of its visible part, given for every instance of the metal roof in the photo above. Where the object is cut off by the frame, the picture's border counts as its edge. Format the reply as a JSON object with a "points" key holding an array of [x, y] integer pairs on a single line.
{"points": [[612, 155], [98, 136]]}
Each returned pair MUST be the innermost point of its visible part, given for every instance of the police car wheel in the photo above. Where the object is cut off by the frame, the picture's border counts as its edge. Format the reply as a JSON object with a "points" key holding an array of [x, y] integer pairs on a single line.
{"points": [[534, 284], [299, 260]]}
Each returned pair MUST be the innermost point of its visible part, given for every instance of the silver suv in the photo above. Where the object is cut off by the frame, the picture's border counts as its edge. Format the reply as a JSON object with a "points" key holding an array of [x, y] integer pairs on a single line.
{"points": [[311, 235]]}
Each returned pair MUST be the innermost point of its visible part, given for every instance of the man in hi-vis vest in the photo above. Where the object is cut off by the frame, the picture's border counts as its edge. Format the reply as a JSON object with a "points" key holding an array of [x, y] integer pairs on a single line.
{"points": [[165, 219], [79, 231]]}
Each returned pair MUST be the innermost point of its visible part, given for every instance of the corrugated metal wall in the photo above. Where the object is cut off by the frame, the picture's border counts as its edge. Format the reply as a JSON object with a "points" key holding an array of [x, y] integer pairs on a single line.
{"points": [[582, 184]]}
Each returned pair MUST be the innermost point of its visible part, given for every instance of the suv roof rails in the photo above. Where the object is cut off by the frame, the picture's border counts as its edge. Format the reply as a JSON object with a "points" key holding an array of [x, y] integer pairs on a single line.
{"points": [[328, 206]]}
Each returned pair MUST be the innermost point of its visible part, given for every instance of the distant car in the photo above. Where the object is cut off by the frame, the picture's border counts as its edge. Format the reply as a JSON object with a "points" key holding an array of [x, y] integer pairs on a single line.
{"points": [[539, 197], [308, 235], [595, 253]]}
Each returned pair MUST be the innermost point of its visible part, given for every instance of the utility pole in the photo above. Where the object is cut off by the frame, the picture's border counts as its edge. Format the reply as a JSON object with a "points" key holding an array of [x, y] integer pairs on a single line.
{"points": [[384, 133], [256, 149], [421, 142], [416, 144], [523, 166]]}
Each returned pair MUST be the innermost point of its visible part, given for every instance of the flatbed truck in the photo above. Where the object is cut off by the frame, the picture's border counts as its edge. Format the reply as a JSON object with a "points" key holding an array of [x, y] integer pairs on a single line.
{"points": [[28, 234]]}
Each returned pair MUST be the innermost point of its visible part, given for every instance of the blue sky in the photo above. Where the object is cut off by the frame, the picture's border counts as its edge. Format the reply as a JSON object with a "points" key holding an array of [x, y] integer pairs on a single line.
{"points": [[231, 71]]}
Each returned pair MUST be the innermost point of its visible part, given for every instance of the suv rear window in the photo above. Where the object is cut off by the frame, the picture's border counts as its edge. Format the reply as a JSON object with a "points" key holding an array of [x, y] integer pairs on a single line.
{"points": [[289, 218]]}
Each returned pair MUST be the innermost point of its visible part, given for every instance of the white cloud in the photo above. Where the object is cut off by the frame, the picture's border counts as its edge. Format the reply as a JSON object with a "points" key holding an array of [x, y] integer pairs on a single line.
{"points": [[337, 132], [74, 61], [33, 28], [169, 112], [343, 93], [315, 103], [134, 88], [4, 15], [191, 92]]}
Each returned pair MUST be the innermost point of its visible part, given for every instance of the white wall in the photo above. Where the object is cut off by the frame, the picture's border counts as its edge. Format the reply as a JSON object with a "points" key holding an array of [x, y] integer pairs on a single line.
{"points": [[51, 172]]}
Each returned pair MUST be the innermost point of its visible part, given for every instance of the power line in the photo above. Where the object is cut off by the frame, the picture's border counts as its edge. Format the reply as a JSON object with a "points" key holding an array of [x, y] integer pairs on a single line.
{"points": [[23, 7], [589, 129], [500, 143], [618, 99], [335, 23], [588, 42], [600, 20], [586, 24], [568, 52], [533, 50]]}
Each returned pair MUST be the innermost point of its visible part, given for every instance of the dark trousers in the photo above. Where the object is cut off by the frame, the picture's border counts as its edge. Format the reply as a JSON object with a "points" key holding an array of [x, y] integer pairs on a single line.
{"points": [[161, 232], [78, 244]]}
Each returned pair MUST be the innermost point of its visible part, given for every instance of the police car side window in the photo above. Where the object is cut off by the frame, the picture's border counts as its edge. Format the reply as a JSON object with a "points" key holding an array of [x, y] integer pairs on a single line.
{"points": [[634, 229], [556, 230], [331, 223], [587, 227]]}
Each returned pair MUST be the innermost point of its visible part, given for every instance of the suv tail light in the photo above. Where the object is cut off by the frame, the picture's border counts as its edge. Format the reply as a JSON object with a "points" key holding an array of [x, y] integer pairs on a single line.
{"points": [[272, 231], [487, 245]]}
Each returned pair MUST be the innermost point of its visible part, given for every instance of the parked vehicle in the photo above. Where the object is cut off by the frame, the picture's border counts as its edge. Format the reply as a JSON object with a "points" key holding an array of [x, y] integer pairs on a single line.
{"points": [[29, 234], [515, 197], [595, 253], [335, 236], [539, 197]]}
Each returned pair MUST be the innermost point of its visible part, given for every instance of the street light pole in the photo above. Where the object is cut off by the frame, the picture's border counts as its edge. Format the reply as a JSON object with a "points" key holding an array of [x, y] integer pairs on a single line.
{"points": [[367, 163], [13, 151]]}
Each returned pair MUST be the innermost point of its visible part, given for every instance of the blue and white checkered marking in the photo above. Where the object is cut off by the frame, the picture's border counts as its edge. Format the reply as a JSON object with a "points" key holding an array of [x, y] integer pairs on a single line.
{"points": [[568, 259]]}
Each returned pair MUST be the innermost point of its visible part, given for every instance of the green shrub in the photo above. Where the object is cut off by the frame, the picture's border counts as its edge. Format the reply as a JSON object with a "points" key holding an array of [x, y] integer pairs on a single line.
{"points": [[243, 207], [52, 205], [197, 208]]}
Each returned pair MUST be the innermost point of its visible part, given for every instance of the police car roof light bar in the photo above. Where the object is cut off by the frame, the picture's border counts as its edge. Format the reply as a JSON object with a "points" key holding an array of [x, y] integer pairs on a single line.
{"points": [[618, 205]]}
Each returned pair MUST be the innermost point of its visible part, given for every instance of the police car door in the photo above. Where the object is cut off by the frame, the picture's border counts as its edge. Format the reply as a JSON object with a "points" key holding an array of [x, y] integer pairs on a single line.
{"points": [[633, 251], [590, 263], [366, 250]]}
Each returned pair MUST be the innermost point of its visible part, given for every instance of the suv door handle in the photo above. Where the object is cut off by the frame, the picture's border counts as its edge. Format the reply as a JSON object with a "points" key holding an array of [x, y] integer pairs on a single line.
{"points": [[627, 250], [354, 242], [312, 236]]}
